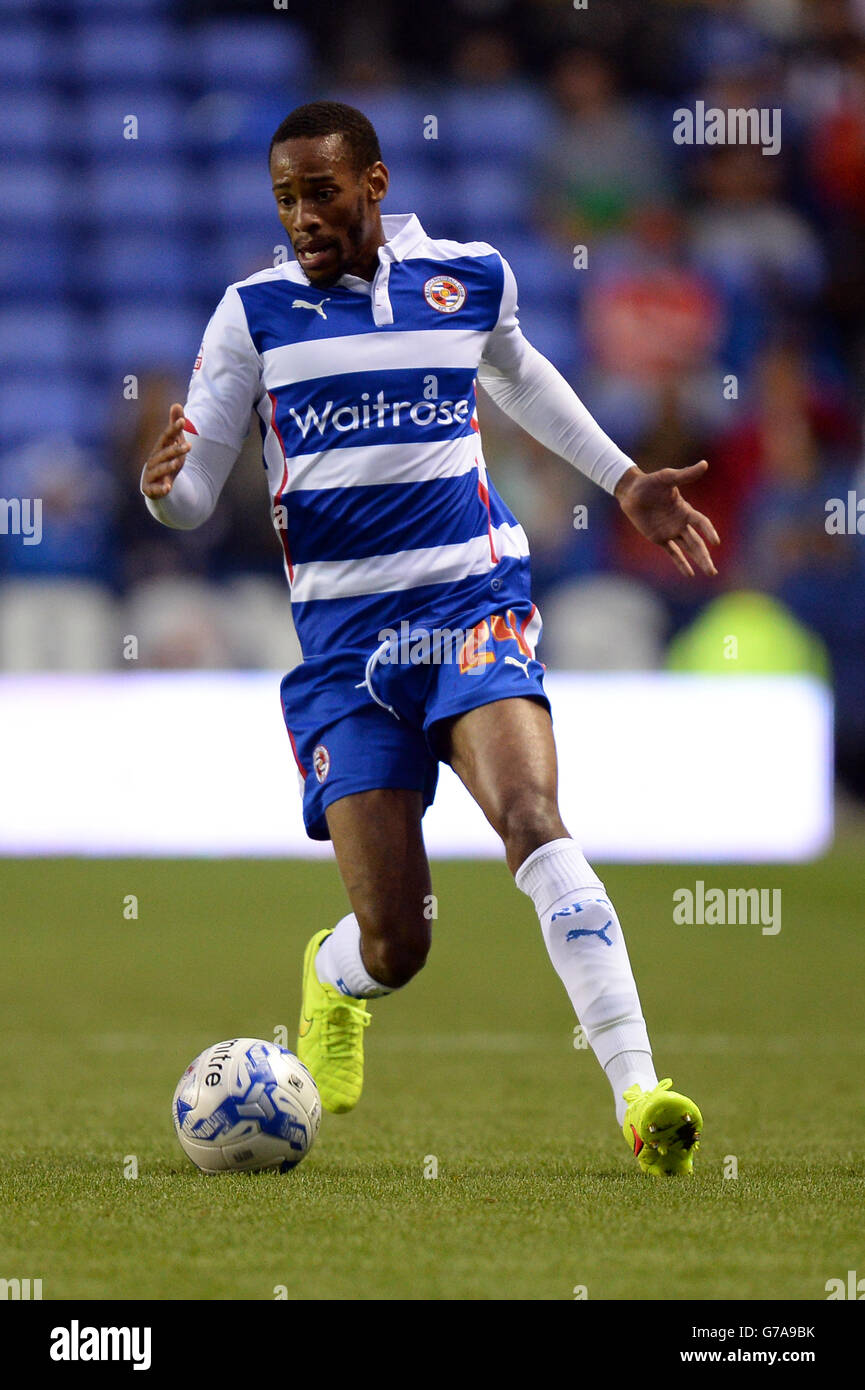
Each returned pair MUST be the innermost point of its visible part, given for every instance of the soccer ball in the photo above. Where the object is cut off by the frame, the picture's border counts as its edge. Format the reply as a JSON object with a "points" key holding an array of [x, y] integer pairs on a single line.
{"points": [[244, 1105]]}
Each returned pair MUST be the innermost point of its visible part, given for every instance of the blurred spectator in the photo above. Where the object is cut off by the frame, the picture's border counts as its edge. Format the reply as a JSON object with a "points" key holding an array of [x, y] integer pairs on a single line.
{"points": [[604, 156], [653, 324], [486, 57], [721, 36], [795, 446], [671, 441], [798, 451], [761, 253]]}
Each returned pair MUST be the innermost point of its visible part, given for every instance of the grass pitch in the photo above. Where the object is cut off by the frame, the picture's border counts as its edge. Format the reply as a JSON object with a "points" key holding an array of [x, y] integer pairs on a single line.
{"points": [[472, 1065]]}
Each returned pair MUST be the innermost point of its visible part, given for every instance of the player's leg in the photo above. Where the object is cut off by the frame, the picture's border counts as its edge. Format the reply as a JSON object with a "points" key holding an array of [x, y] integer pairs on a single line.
{"points": [[366, 779], [373, 950], [380, 852], [504, 753]]}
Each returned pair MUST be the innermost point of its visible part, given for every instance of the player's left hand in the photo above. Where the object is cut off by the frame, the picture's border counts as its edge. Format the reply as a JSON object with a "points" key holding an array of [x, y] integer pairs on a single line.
{"points": [[653, 503]]}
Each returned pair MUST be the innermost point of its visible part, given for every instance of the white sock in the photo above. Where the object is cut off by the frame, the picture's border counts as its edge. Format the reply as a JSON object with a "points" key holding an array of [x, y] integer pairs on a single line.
{"points": [[627, 1069], [338, 962], [593, 964]]}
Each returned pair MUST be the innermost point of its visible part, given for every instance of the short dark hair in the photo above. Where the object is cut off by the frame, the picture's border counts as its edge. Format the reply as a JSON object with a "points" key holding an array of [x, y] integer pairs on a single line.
{"points": [[332, 118]]}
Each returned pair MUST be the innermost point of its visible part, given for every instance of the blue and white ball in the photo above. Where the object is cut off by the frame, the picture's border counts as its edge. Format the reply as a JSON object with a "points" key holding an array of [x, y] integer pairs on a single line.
{"points": [[244, 1105]]}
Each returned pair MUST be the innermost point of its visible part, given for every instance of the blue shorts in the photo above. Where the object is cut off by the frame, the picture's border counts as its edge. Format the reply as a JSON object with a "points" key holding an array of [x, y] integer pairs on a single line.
{"points": [[359, 721]]}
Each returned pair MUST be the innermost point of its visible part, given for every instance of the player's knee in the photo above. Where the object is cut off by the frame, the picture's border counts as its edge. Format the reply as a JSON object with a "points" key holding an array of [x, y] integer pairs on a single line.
{"points": [[394, 959]]}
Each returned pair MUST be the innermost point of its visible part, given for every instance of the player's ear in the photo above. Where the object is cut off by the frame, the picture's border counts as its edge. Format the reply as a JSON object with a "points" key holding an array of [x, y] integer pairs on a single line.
{"points": [[378, 181]]}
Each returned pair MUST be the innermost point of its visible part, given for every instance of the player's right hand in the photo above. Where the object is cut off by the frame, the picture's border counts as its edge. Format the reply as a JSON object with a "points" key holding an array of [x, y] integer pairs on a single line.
{"points": [[167, 457]]}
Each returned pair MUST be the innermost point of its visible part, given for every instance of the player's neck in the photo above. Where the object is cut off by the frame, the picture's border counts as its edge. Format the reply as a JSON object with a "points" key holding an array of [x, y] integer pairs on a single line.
{"points": [[367, 262]]}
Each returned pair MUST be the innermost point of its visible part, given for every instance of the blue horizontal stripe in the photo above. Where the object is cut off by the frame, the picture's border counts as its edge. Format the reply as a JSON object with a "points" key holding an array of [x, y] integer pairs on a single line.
{"points": [[330, 625], [482, 277], [351, 523], [357, 409], [274, 323]]}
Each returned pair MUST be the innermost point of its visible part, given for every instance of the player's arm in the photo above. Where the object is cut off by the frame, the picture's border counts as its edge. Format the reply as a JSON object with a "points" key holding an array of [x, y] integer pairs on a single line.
{"points": [[166, 457], [653, 503], [183, 477], [528, 388], [193, 456]]}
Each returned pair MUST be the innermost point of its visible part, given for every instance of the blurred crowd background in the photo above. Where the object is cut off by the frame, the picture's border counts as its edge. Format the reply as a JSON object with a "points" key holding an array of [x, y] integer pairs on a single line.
{"points": [[720, 311]]}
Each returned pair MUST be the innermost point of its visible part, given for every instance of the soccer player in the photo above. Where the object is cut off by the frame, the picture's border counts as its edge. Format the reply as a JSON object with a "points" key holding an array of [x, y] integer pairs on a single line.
{"points": [[360, 360]]}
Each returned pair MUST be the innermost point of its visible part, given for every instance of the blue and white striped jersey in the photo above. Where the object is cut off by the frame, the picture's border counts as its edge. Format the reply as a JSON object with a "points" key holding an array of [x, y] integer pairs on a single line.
{"points": [[366, 398]]}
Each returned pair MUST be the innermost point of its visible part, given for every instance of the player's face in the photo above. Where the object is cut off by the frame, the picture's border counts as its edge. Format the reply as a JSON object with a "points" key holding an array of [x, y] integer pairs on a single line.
{"points": [[329, 209]]}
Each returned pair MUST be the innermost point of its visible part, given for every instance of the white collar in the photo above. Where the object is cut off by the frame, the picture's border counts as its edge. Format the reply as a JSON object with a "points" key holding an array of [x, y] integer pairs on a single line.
{"points": [[402, 232]]}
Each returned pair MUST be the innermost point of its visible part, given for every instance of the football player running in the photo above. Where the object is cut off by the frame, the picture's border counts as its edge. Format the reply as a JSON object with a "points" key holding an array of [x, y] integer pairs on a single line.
{"points": [[361, 360]]}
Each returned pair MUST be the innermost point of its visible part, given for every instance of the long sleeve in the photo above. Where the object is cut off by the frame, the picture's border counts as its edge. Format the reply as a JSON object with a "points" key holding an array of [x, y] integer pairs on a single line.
{"points": [[196, 487], [223, 390], [528, 388]]}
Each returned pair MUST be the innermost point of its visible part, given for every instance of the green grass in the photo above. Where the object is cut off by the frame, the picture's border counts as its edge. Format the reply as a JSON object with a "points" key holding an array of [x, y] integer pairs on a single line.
{"points": [[473, 1063]]}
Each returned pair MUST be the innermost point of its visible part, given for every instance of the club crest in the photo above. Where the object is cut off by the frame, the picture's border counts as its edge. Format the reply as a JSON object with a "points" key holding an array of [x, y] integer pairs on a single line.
{"points": [[320, 761], [445, 293]]}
